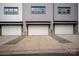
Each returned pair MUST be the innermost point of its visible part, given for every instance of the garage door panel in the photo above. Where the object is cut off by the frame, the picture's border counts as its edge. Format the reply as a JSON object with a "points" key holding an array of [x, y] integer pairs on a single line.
{"points": [[37, 30], [63, 29], [11, 30]]}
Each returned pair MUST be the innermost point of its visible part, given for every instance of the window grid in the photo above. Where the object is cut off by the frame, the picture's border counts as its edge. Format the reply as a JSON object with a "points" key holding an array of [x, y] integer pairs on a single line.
{"points": [[11, 10], [64, 10], [38, 9]]}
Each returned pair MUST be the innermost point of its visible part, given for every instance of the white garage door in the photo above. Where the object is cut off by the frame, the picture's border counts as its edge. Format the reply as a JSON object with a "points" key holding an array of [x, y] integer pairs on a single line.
{"points": [[38, 30], [63, 29], [11, 30]]}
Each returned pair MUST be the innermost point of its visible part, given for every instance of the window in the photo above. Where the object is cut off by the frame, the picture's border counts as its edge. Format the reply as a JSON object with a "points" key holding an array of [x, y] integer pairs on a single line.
{"points": [[11, 10], [64, 10], [38, 9]]}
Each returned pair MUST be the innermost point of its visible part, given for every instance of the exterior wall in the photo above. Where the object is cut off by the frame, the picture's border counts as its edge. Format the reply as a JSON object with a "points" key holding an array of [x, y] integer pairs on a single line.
{"points": [[28, 16], [78, 18], [8, 18], [65, 17]]}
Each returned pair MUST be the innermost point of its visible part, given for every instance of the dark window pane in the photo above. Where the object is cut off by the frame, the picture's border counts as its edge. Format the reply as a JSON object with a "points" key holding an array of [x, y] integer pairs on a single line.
{"points": [[38, 9], [11, 10], [64, 10]]}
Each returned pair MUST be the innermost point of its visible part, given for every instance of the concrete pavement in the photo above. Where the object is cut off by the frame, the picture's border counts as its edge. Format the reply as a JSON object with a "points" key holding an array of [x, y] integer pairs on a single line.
{"points": [[6, 38], [38, 44]]}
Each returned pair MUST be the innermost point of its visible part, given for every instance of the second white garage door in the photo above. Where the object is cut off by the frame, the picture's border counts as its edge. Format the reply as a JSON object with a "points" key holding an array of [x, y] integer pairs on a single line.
{"points": [[63, 29], [11, 30], [37, 29]]}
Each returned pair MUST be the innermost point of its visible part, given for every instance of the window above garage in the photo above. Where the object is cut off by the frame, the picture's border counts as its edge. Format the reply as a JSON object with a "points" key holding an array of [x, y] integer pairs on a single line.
{"points": [[10, 10], [64, 10], [38, 9]]}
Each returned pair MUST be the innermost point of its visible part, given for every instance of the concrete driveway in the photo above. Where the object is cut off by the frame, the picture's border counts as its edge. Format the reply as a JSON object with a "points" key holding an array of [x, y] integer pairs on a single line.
{"points": [[4, 39], [73, 38], [38, 44]]}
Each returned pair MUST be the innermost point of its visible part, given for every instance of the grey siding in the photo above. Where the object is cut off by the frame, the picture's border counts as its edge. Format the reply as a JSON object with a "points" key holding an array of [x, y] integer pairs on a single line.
{"points": [[78, 18], [9, 18], [63, 17], [28, 16]]}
